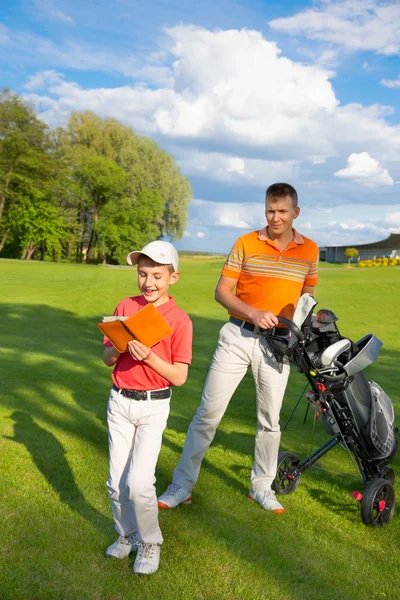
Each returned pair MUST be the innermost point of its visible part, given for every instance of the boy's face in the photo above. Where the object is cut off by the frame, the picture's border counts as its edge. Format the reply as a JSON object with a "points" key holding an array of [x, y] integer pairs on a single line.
{"points": [[154, 281]]}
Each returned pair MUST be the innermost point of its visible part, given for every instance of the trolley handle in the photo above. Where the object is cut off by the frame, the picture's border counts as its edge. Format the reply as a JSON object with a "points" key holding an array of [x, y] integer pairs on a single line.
{"points": [[293, 328]]}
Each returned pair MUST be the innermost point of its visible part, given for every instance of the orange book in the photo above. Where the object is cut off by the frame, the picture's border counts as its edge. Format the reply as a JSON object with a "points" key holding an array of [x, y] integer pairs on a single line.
{"points": [[147, 326]]}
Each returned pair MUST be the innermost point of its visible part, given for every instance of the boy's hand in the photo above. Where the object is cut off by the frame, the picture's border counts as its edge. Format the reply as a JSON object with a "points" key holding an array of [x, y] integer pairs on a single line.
{"points": [[139, 351], [110, 356]]}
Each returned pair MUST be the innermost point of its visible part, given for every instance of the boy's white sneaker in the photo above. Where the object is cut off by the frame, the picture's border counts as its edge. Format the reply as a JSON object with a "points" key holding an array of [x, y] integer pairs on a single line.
{"points": [[173, 496], [267, 500], [147, 559], [122, 548]]}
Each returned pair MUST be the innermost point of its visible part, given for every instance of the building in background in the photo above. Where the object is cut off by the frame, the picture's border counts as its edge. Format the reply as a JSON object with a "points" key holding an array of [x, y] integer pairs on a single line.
{"points": [[389, 248]]}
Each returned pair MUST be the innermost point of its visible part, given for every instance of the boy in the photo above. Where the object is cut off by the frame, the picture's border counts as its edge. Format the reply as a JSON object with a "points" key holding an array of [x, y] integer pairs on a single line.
{"points": [[138, 407]]}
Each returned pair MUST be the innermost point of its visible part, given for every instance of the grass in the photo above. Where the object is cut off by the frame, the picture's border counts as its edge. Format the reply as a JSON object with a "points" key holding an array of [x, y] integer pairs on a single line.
{"points": [[55, 515]]}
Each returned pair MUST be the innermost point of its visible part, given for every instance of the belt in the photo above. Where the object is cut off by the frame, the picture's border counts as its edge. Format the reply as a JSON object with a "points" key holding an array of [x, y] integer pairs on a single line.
{"points": [[143, 394], [259, 330]]}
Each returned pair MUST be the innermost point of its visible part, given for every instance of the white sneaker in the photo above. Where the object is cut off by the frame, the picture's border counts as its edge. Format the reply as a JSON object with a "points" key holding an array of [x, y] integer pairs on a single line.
{"points": [[267, 500], [147, 559], [173, 496], [122, 548]]}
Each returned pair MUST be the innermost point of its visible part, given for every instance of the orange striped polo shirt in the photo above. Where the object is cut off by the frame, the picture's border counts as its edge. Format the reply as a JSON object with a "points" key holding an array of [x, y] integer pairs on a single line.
{"points": [[268, 278]]}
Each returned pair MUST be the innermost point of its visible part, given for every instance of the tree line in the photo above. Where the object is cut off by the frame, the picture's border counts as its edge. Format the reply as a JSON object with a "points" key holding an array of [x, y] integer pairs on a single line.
{"points": [[88, 192]]}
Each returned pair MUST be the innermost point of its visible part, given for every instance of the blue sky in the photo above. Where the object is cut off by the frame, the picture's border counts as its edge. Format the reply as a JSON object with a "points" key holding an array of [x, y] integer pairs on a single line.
{"points": [[243, 94]]}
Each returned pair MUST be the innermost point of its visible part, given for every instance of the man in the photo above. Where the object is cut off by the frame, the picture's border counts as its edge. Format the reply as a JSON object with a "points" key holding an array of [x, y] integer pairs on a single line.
{"points": [[270, 269]]}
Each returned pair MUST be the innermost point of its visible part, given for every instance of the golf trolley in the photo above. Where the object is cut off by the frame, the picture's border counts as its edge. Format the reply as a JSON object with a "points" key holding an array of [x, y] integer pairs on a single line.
{"points": [[356, 413]]}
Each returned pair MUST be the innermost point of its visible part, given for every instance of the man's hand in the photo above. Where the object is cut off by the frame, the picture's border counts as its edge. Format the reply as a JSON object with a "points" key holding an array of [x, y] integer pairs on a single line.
{"points": [[139, 351], [264, 319], [225, 296]]}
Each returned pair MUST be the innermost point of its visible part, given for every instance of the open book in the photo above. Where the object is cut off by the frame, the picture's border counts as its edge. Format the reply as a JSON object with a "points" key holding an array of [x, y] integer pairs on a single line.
{"points": [[147, 326]]}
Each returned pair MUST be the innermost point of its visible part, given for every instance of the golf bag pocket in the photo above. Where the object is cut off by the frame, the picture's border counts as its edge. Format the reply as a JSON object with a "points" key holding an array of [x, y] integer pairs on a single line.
{"points": [[368, 349], [382, 422], [275, 347]]}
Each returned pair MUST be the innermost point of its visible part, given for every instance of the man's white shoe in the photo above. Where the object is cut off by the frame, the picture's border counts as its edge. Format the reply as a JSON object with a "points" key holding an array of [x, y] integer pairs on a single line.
{"points": [[122, 548], [173, 496], [147, 559], [267, 500]]}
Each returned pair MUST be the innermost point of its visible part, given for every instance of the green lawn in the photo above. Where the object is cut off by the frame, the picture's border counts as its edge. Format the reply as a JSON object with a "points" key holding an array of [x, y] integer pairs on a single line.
{"points": [[55, 516]]}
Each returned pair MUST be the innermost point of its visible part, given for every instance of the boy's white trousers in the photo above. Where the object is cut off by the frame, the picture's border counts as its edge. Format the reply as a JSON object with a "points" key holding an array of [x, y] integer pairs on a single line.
{"points": [[237, 349], [135, 431]]}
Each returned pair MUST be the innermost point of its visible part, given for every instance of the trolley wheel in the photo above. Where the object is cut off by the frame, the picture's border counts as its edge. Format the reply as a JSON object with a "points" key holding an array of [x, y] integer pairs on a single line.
{"points": [[388, 474], [378, 503], [286, 479]]}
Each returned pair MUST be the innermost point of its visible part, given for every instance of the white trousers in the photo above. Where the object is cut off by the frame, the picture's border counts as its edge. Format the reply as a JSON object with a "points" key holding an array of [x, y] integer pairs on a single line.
{"points": [[237, 350], [135, 431]]}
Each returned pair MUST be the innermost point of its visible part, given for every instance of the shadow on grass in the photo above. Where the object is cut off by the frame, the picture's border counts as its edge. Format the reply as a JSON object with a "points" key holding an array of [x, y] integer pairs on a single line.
{"points": [[48, 454], [55, 375], [53, 361]]}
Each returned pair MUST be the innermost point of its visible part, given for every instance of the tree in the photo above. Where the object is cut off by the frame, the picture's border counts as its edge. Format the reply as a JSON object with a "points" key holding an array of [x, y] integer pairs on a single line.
{"points": [[351, 253], [29, 169], [40, 227], [124, 227], [151, 167], [94, 188], [23, 146], [102, 180], [147, 167]]}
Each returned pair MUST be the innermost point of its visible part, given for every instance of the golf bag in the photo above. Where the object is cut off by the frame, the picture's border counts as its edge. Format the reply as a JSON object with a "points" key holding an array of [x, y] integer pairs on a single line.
{"points": [[356, 413]]}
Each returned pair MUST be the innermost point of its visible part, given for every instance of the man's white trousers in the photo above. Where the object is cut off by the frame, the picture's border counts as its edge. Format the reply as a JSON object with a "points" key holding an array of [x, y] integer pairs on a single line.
{"points": [[237, 349]]}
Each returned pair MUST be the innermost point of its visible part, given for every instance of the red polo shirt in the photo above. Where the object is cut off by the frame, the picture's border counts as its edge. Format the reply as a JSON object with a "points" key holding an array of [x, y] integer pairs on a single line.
{"points": [[175, 347]]}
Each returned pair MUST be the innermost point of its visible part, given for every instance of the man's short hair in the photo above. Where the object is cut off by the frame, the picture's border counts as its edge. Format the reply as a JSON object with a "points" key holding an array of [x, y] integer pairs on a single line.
{"points": [[146, 261], [277, 191]]}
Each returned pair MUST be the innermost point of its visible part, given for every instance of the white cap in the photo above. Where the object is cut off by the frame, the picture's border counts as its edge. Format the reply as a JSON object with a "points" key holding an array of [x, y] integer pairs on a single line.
{"points": [[161, 252]]}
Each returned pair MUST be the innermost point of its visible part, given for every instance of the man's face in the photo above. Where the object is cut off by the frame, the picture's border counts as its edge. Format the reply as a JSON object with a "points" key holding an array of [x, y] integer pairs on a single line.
{"points": [[280, 215]]}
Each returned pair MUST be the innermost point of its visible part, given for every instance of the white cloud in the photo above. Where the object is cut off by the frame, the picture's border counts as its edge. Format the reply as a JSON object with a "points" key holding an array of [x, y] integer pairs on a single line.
{"points": [[246, 118], [345, 225], [46, 9], [60, 16], [341, 233], [307, 226], [234, 84], [155, 74], [367, 66], [327, 57], [365, 169], [222, 167], [356, 25], [199, 234], [233, 95], [391, 83], [228, 214], [32, 49], [44, 79], [393, 220], [350, 229], [236, 165], [131, 105], [4, 34], [348, 225], [230, 86]]}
